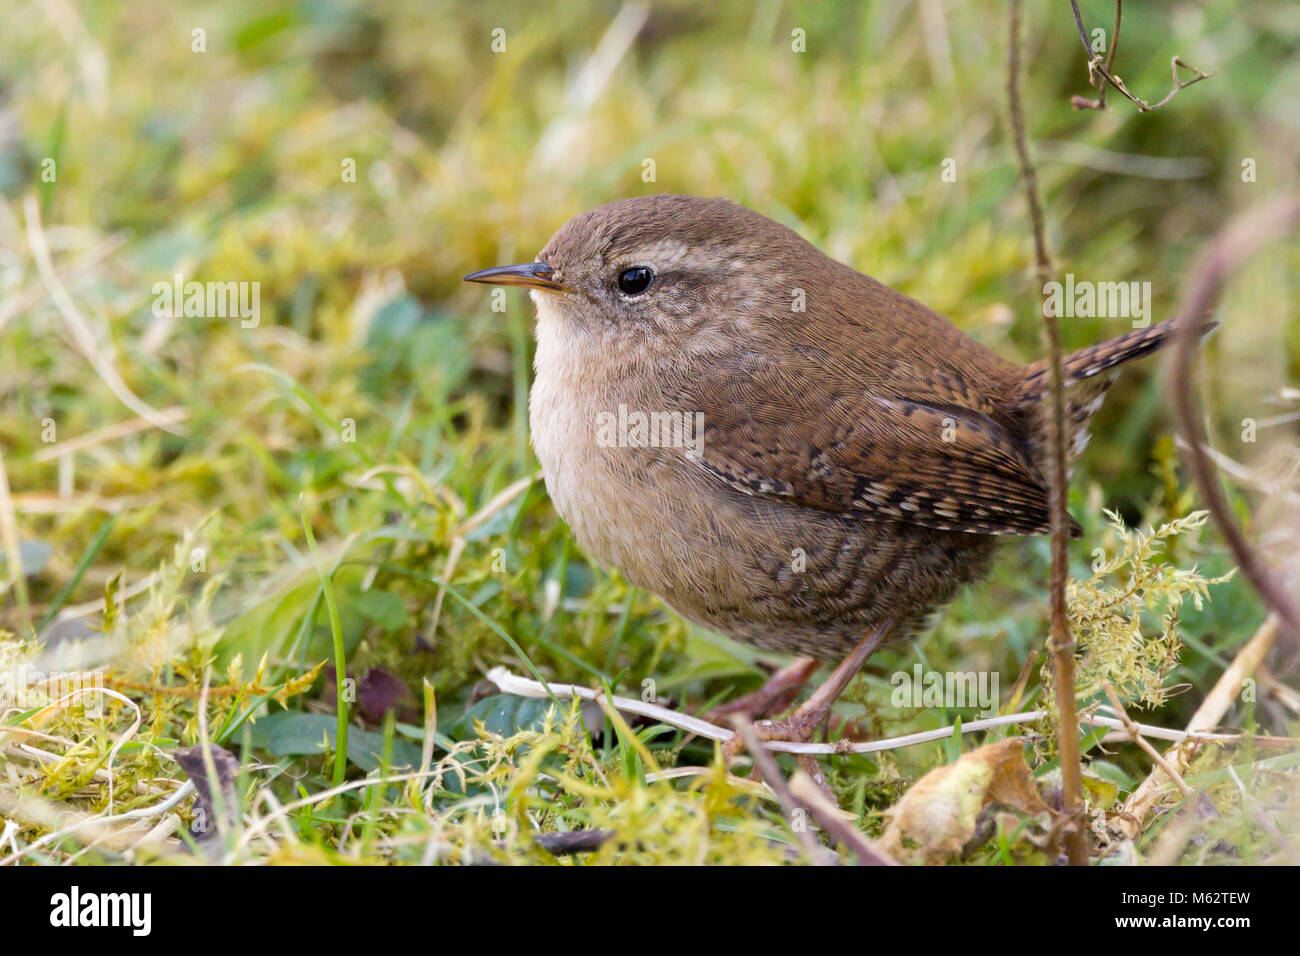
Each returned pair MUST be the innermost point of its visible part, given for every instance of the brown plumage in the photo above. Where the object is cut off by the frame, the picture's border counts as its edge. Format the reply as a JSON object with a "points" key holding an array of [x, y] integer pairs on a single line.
{"points": [[860, 454]]}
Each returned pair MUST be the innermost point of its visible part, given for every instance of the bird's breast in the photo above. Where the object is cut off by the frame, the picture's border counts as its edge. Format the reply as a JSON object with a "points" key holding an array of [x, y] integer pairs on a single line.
{"points": [[597, 487]]}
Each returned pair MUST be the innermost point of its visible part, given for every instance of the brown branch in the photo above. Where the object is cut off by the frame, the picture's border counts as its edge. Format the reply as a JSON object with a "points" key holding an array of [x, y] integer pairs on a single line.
{"points": [[1061, 645], [1114, 45], [816, 853], [1224, 254], [809, 794], [1081, 102], [1135, 734], [1099, 73]]}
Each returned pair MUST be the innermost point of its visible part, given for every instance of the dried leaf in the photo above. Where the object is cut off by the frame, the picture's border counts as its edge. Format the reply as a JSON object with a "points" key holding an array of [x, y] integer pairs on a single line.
{"points": [[214, 806], [380, 691], [938, 815]]}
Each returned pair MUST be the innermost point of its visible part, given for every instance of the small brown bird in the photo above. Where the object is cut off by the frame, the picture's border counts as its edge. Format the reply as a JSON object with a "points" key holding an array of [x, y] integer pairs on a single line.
{"points": [[782, 448]]}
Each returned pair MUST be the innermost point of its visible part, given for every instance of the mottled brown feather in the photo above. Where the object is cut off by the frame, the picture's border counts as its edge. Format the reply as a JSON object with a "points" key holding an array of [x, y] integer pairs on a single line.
{"points": [[873, 456]]}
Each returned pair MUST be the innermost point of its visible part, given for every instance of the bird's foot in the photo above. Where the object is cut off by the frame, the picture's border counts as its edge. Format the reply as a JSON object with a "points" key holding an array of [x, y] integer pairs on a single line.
{"points": [[813, 714], [775, 695], [799, 727]]}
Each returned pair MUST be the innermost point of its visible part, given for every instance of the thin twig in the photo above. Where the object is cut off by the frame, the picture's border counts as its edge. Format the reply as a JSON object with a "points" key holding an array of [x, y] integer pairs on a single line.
{"points": [[1099, 73], [1061, 644], [1082, 103], [1225, 253], [816, 853], [1114, 45], [510, 683], [829, 817], [84, 337], [1135, 734], [168, 416]]}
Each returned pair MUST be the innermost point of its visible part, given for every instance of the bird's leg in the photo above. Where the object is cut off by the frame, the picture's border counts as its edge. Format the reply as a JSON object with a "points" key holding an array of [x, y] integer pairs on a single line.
{"points": [[777, 693], [812, 714]]}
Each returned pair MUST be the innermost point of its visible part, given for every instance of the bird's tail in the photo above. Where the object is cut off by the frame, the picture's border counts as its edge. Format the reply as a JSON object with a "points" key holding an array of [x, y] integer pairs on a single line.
{"points": [[1088, 373], [1086, 363]]}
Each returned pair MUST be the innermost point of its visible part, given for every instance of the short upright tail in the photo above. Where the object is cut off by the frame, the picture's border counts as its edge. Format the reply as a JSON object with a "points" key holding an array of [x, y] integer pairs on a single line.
{"points": [[1086, 363], [1088, 374]]}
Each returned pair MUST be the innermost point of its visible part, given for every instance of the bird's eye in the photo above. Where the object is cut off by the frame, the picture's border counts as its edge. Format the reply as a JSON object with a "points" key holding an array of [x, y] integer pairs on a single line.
{"points": [[636, 280]]}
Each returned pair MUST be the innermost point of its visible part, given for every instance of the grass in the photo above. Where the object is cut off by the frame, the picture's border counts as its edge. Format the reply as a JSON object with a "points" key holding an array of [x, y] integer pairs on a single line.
{"points": [[329, 487]]}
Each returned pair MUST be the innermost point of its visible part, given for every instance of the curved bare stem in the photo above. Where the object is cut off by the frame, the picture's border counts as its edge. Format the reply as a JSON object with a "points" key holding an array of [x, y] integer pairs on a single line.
{"points": [[1221, 257]]}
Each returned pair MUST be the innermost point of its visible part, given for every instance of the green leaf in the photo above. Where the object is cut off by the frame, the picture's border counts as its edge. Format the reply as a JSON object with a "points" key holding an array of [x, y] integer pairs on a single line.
{"points": [[383, 607], [1110, 774], [504, 714], [394, 322], [272, 626], [952, 744], [291, 733]]}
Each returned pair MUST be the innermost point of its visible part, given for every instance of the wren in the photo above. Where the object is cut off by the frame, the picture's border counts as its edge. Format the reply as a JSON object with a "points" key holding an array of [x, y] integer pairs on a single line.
{"points": [[782, 448]]}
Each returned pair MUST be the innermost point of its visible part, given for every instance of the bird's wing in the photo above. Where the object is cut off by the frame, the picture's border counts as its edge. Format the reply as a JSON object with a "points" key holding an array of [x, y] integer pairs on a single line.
{"points": [[883, 457]]}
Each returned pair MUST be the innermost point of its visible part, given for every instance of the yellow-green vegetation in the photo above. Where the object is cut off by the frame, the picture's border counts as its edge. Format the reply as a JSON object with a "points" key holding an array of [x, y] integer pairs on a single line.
{"points": [[1107, 619], [205, 517]]}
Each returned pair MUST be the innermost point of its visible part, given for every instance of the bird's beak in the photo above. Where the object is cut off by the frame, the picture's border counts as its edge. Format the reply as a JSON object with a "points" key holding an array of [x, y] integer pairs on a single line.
{"points": [[531, 275]]}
